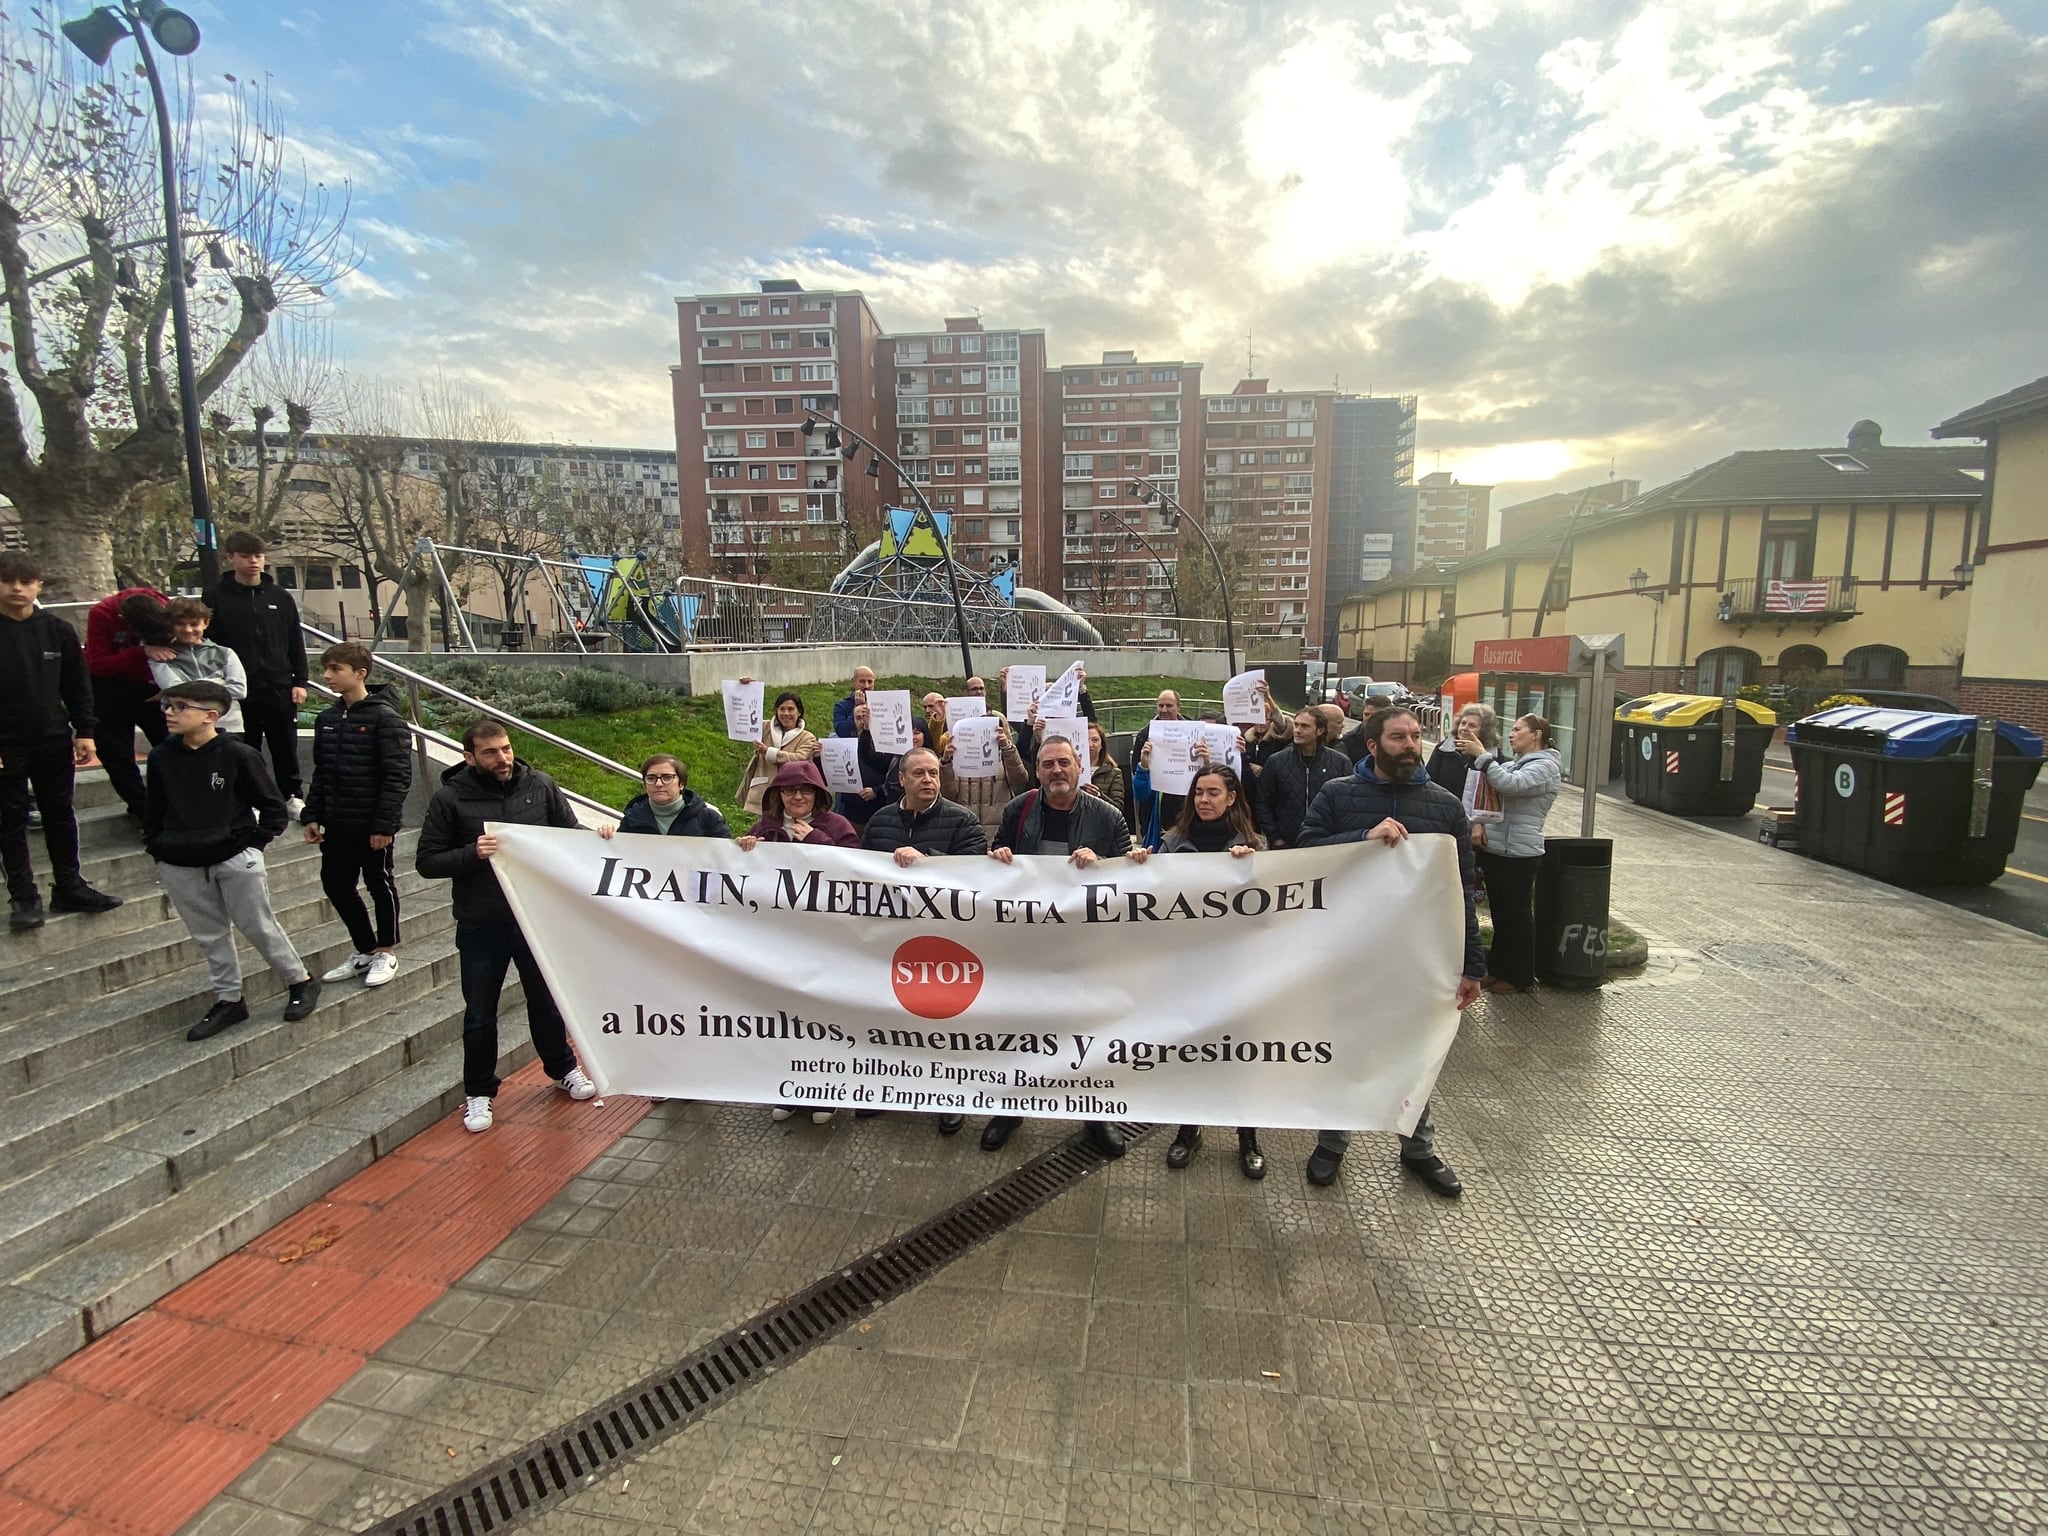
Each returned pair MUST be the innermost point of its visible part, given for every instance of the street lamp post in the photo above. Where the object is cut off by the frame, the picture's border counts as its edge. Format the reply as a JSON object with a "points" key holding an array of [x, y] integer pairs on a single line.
{"points": [[176, 33], [1152, 493], [837, 430], [1639, 583], [1172, 587]]}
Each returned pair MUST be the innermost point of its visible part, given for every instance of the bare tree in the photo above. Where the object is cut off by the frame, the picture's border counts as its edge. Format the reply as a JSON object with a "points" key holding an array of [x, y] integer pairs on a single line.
{"points": [[88, 406], [377, 506], [295, 371]]}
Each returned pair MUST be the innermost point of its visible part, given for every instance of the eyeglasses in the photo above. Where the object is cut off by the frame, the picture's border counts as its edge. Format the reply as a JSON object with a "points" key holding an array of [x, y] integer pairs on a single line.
{"points": [[661, 778], [176, 706]]}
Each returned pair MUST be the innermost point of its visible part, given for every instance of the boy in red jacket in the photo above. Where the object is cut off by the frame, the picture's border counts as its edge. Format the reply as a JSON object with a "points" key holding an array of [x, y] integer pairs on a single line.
{"points": [[124, 632]]}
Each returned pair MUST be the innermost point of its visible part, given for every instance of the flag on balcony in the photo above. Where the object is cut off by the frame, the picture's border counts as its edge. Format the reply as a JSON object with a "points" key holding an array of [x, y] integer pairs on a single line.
{"points": [[1796, 597]]}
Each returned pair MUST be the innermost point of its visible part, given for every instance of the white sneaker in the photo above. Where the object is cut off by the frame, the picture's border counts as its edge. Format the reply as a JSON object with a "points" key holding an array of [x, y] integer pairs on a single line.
{"points": [[350, 968], [382, 968], [577, 1086], [780, 1114], [295, 807], [822, 1116], [476, 1113]]}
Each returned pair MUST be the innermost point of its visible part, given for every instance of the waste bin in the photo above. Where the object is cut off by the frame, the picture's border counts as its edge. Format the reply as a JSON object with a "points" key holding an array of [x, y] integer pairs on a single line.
{"points": [[1672, 743], [1571, 910], [1888, 791]]}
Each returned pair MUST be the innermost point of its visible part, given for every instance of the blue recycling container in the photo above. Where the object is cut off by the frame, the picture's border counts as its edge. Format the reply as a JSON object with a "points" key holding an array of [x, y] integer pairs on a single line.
{"points": [[1887, 792]]}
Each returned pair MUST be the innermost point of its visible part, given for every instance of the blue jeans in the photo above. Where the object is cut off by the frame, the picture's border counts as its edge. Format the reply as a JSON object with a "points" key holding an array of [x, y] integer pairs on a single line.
{"points": [[487, 950]]}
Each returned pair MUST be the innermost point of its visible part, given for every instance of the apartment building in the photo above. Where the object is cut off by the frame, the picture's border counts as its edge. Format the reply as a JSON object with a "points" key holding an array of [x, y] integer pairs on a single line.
{"points": [[1450, 518], [754, 490], [1266, 485], [964, 408], [1372, 495], [1525, 517], [1121, 421]]}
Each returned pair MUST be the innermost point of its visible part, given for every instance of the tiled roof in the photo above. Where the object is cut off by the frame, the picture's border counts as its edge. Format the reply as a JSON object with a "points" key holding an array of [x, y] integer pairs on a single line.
{"points": [[2027, 400], [1807, 475]]}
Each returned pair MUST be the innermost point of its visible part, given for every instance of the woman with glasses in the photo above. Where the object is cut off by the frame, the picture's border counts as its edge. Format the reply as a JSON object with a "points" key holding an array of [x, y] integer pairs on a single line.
{"points": [[669, 807]]}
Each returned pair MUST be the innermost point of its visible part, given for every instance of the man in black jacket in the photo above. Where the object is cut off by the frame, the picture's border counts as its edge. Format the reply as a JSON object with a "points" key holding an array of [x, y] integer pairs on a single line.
{"points": [[1058, 821], [362, 769], [490, 784], [920, 824], [258, 620], [1291, 780], [46, 725], [1388, 799], [209, 808]]}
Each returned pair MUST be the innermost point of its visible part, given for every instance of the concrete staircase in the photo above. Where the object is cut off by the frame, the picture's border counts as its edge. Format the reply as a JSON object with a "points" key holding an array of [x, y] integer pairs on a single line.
{"points": [[130, 1158]]}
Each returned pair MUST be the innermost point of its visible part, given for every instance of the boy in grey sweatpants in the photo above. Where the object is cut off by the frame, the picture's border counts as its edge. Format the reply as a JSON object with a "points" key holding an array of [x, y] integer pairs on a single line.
{"points": [[210, 807]]}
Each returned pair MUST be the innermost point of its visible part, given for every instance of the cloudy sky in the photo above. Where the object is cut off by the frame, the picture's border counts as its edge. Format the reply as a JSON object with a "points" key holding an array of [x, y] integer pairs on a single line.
{"points": [[1638, 233]]}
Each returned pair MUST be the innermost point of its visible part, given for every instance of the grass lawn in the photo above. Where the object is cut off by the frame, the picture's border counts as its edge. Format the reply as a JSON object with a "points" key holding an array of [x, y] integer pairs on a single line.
{"points": [[694, 729]]}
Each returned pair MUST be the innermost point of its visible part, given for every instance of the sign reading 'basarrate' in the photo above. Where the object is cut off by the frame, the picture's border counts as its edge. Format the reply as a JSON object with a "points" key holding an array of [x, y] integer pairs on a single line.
{"points": [[1195, 987]]}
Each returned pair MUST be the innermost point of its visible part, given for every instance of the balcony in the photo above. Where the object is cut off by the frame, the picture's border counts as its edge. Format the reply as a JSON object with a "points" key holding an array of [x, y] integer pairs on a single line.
{"points": [[1824, 600]]}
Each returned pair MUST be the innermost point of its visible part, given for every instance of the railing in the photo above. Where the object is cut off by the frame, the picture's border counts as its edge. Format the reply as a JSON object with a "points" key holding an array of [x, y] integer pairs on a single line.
{"points": [[1746, 599]]}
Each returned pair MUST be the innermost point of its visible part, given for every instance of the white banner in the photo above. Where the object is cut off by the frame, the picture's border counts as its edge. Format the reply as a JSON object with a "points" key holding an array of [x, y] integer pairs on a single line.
{"points": [[1022, 687], [1173, 763], [839, 762], [742, 709], [1062, 697], [971, 706], [1244, 698], [1194, 988], [889, 720], [976, 752]]}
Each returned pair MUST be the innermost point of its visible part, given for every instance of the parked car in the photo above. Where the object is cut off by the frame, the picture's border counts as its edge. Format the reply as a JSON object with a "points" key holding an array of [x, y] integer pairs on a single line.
{"points": [[1346, 689], [1891, 698], [1374, 696]]}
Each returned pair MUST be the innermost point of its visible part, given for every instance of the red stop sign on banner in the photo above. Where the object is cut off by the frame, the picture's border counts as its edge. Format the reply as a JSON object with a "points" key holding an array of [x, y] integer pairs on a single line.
{"points": [[935, 978]]}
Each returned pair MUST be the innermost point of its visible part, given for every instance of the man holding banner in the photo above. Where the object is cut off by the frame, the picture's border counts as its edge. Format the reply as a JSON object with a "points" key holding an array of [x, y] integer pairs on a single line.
{"points": [[1388, 799], [1057, 819]]}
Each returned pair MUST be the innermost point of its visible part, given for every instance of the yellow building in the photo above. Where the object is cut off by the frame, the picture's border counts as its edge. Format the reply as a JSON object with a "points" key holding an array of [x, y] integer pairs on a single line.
{"points": [[1379, 627], [2005, 667], [1852, 563]]}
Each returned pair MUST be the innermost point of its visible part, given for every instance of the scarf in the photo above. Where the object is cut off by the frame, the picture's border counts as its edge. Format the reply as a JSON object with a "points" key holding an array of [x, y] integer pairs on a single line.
{"points": [[1212, 836]]}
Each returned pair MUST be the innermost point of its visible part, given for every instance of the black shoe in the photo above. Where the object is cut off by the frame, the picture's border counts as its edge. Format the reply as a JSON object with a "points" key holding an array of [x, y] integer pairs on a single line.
{"points": [[1249, 1158], [1437, 1174], [82, 898], [865, 1114], [1323, 1165], [949, 1125], [35, 819], [26, 915], [1106, 1139], [219, 1017], [1182, 1152], [304, 998], [997, 1131]]}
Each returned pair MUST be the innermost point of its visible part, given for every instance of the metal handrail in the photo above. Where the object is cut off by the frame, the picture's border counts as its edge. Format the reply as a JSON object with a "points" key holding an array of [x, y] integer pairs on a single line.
{"points": [[421, 680]]}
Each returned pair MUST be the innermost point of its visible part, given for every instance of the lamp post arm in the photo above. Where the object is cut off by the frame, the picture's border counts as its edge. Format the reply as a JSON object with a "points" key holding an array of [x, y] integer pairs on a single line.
{"points": [[1216, 560], [1172, 587], [945, 541], [181, 320]]}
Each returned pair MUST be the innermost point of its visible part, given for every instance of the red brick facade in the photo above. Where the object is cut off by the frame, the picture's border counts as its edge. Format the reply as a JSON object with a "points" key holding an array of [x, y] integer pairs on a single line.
{"points": [[2024, 701]]}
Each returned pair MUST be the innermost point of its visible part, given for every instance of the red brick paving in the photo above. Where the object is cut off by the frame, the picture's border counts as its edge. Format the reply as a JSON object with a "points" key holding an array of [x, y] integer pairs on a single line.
{"points": [[136, 1433]]}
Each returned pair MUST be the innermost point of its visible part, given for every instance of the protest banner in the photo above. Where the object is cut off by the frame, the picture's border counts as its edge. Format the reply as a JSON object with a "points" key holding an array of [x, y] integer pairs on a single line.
{"points": [[1061, 699], [742, 709], [1173, 745], [829, 977]]}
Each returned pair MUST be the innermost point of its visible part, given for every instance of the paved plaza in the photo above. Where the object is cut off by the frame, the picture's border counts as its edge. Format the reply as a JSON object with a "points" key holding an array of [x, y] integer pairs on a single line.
{"points": [[1753, 1243]]}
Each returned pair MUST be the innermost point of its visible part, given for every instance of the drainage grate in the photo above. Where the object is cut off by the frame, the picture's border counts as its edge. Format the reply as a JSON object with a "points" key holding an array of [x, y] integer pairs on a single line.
{"points": [[545, 1472]]}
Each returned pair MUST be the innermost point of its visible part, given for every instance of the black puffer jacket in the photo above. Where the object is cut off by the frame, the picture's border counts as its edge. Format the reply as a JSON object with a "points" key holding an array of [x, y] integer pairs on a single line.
{"points": [[1094, 824], [698, 817], [362, 765], [1289, 785], [466, 800], [1345, 811], [260, 624], [946, 827]]}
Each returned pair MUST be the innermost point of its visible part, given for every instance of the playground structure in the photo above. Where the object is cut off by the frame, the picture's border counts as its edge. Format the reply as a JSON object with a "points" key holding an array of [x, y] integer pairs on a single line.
{"points": [[894, 590]]}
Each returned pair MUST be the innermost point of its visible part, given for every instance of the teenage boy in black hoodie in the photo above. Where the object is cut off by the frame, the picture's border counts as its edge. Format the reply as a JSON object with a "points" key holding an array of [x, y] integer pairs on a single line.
{"points": [[256, 619], [46, 727], [362, 768], [211, 807]]}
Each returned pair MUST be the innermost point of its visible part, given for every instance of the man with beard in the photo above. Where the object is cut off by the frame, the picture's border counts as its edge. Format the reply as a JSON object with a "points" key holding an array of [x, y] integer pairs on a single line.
{"points": [[1388, 799]]}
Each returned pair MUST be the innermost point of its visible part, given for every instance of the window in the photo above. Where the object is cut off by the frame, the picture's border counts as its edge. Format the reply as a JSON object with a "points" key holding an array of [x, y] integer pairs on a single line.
{"points": [[1079, 466], [970, 439], [785, 407], [905, 379], [351, 578], [942, 467], [1003, 408], [779, 341], [785, 439], [1730, 668], [750, 341], [718, 373], [1301, 429], [757, 407], [1105, 434], [1003, 348], [1109, 377], [1795, 659], [1272, 456], [319, 578], [1107, 491], [778, 306], [1081, 407], [815, 339], [973, 495], [757, 471], [711, 309], [1787, 552], [785, 471], [1873, 666], [786, 506], [970, 343], [942, 407], [714, 341], [970, 406], [1844, 463], [1276, 406], [1297, 456], [1134, 377], [1247, 460], [1009, 470], [971, 467], [725, 471], [1001, 375], [757, 439], [750, 373], [943, 438], [750, 307], [1165, 375], [781, 372], [1080, 435], [941, 344], [816, 373], [970, 375]]}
